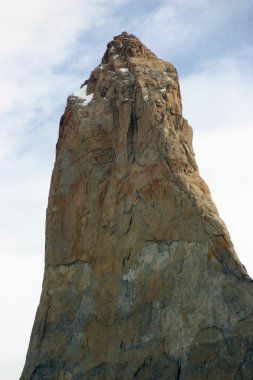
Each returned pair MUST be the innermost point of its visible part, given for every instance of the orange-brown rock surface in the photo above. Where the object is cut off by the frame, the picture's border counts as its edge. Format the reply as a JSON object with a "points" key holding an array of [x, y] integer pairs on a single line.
{"points": [[141, 278]]}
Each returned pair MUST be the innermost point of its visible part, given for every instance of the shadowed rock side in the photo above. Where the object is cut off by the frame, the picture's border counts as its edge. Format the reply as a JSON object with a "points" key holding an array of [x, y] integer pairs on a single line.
{"points": [[141, 279]]}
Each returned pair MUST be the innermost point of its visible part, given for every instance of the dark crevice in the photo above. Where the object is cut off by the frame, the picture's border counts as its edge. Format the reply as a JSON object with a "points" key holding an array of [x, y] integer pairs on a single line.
{"points": [[48, 370], [127, 258], [129, 226], [170, 242], [75, 262], [44, 327], [178, 371], [131, 135]]}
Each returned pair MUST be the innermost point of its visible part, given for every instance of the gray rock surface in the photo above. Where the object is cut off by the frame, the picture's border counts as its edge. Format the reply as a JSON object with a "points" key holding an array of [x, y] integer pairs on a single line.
{"points": [[141, 278]]}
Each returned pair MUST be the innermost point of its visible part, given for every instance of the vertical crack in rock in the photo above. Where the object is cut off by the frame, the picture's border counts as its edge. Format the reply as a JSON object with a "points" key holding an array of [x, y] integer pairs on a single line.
{"points": [[141, 277], [132, 134]]}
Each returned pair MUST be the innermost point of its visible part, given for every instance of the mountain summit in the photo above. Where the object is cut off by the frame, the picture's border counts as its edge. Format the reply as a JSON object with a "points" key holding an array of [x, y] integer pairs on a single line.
{"points": [[141, 278]]}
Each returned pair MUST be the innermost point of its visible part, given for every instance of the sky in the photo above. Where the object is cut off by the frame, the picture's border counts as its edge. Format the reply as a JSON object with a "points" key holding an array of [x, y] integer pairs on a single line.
{"points": [[47, 50]]}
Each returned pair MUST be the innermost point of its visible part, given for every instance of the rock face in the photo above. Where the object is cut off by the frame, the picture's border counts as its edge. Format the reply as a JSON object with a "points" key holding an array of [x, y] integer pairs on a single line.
{"points": [[141, 278]]}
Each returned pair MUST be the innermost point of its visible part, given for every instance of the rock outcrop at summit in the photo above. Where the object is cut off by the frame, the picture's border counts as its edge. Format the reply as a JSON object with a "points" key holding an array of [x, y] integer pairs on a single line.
{"points": [[141, 278]]}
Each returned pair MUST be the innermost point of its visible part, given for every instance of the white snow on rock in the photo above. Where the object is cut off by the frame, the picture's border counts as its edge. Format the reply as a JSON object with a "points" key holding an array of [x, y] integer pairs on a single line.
{"points": [[145, 98], [163, 90], [124, 70], [82, 94]]}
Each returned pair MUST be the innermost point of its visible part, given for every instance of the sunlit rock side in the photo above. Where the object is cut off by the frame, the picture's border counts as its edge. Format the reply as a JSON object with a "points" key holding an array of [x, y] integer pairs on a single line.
{"points": [[141, 278]]}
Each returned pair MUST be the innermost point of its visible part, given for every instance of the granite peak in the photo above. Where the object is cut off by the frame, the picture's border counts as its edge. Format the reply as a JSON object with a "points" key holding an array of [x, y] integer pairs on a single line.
{"points": [[141, 278]]}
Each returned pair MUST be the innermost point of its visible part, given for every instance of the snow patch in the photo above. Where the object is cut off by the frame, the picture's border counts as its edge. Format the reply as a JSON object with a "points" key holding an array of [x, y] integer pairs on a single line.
{"points": [[163, 90], [146, 98], [82, 94], [124, 70]]}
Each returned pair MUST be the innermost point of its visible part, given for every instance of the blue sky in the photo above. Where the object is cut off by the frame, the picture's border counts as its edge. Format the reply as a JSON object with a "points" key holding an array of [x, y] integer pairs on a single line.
{"points": [[47, 50]]}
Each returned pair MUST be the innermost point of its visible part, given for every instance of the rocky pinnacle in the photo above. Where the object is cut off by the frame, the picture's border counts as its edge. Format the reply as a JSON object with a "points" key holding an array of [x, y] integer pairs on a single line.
{"points": [[141, 278]]}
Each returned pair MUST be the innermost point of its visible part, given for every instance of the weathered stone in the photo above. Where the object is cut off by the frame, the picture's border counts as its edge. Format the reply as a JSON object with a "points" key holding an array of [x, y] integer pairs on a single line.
{"points": [[141, 278]]}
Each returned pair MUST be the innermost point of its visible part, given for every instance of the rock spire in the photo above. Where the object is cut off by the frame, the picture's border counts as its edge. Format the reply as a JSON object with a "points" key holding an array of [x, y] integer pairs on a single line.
{"points": [[141, 278]]}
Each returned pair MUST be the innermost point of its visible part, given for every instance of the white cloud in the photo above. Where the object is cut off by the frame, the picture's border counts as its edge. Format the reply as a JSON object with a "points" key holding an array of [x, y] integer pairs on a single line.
{"points": [[225, 162], [21, 279], [47, 26], [217, 102], [185, 31], [221, 89]]}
